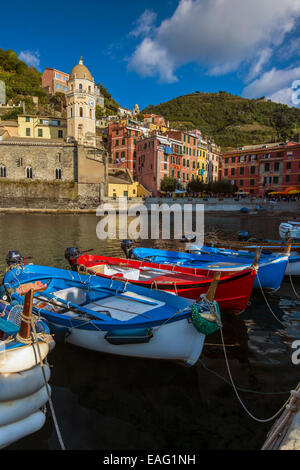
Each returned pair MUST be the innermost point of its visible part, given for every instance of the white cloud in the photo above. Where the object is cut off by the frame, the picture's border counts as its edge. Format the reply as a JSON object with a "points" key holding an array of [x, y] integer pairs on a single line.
{"points": [[217, 34], [149, 60], [273, 83], [284, 96], [263, 57], [145, 24], [31, 58]]}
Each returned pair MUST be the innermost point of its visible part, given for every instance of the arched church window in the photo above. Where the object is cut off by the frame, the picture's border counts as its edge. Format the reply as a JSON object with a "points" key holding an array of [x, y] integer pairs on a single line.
{"points": [[29, 173], [3, 171], [80, 86], [58, 173]]}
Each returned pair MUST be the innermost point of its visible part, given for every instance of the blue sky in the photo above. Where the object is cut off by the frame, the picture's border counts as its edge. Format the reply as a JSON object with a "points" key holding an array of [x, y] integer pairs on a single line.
{"points": [[149, 52]]}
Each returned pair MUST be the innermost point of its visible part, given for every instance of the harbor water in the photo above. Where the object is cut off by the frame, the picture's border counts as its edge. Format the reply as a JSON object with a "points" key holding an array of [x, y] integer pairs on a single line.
{"points": [[109, 402]]}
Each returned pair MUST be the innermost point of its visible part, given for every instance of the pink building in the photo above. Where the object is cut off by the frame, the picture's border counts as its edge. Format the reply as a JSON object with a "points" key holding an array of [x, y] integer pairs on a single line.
{"points": [[55, 81], [157, 157]]}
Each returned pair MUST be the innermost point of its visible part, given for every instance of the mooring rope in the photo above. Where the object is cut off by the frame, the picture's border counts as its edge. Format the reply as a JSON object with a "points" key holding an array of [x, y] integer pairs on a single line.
{"points": [[247, 390], [266, 300], [291, 281], [47, 389], [266, 420]]}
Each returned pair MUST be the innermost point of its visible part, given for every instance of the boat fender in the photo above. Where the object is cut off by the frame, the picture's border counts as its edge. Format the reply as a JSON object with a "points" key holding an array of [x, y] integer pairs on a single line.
{"points": [[129, 336], [203, 325]]}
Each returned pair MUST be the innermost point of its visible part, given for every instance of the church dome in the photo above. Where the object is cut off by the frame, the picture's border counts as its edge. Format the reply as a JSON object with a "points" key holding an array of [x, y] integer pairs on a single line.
{"points": [[81, 71]]}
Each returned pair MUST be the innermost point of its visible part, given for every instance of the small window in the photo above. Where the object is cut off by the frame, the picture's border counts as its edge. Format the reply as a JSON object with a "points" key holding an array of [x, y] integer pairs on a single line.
{"points": [[81, 111], [40, 132], [29, 173], [60, 134], [27, 131], [58, 173], [27, 119], [3, 171]]}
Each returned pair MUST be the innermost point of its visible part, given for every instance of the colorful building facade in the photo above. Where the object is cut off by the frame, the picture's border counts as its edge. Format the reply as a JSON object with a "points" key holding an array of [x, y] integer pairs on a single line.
{"points": [[259, 170], [122, 140], [42, 127], [158, 157], [55, 81]]}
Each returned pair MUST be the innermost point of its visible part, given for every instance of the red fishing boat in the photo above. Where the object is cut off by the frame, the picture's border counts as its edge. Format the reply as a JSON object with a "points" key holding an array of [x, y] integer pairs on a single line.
{"points": [[233, 291]]}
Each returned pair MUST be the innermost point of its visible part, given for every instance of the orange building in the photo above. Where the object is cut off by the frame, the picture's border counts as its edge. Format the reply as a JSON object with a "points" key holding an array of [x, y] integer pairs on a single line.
{"points": [[55, 81]]}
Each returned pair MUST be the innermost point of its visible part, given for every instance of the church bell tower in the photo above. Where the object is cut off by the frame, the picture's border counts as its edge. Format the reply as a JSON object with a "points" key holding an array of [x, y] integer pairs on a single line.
{"points": [[81, 105]]}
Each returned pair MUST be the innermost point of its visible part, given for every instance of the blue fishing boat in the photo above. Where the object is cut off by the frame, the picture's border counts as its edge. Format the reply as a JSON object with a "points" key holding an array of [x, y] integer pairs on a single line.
{"points": [[269, 275], [292, 267], [111, 316]]}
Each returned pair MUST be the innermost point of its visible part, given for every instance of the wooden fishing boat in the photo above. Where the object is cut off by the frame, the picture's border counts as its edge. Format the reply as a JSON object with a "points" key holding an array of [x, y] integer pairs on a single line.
{"points": [[251, 245], [111, 316], [232, 294], [292, 267], [268, 277], [24, 388], [290, 229]]}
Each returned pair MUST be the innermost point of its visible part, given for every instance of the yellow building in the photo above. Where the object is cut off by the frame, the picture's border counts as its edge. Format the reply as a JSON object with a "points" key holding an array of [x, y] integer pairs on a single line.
{"points": [[120, 183], [42, 127], [202, 161]]}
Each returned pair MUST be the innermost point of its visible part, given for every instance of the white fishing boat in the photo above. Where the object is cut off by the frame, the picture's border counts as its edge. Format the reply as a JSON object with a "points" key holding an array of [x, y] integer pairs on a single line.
{"points": [[289, 230], [24, 344], [109, 316]]}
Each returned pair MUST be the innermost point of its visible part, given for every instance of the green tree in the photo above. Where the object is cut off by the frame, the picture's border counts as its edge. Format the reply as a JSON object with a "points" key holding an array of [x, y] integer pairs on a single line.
{"points": [[196, 186], [168, 184]]}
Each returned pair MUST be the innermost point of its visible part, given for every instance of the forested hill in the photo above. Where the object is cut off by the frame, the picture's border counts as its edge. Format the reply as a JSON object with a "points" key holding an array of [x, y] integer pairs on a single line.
{"points": [[23, 82], [231, 120]]}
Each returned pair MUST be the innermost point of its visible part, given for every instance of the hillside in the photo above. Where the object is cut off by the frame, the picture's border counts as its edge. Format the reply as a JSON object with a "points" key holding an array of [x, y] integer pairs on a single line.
{"points": [[231, 120], [24, 82]]}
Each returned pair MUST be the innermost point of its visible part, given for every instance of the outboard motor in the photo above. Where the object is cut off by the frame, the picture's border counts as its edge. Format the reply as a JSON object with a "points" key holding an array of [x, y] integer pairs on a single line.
{"points": [[189, 238], [243, 235], [71, 254], [14, 257], [127, 246]]}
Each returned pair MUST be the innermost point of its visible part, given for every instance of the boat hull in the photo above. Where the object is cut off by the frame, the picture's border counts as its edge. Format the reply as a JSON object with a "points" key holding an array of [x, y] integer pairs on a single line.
{"points": [[269, 274], [232, 294], [177, 341], [289, 230], [92, 311]]}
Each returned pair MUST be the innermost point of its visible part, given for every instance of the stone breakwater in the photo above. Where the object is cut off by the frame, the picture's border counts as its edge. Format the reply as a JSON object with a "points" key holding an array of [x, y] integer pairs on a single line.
{"points": [[63, 199]]}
